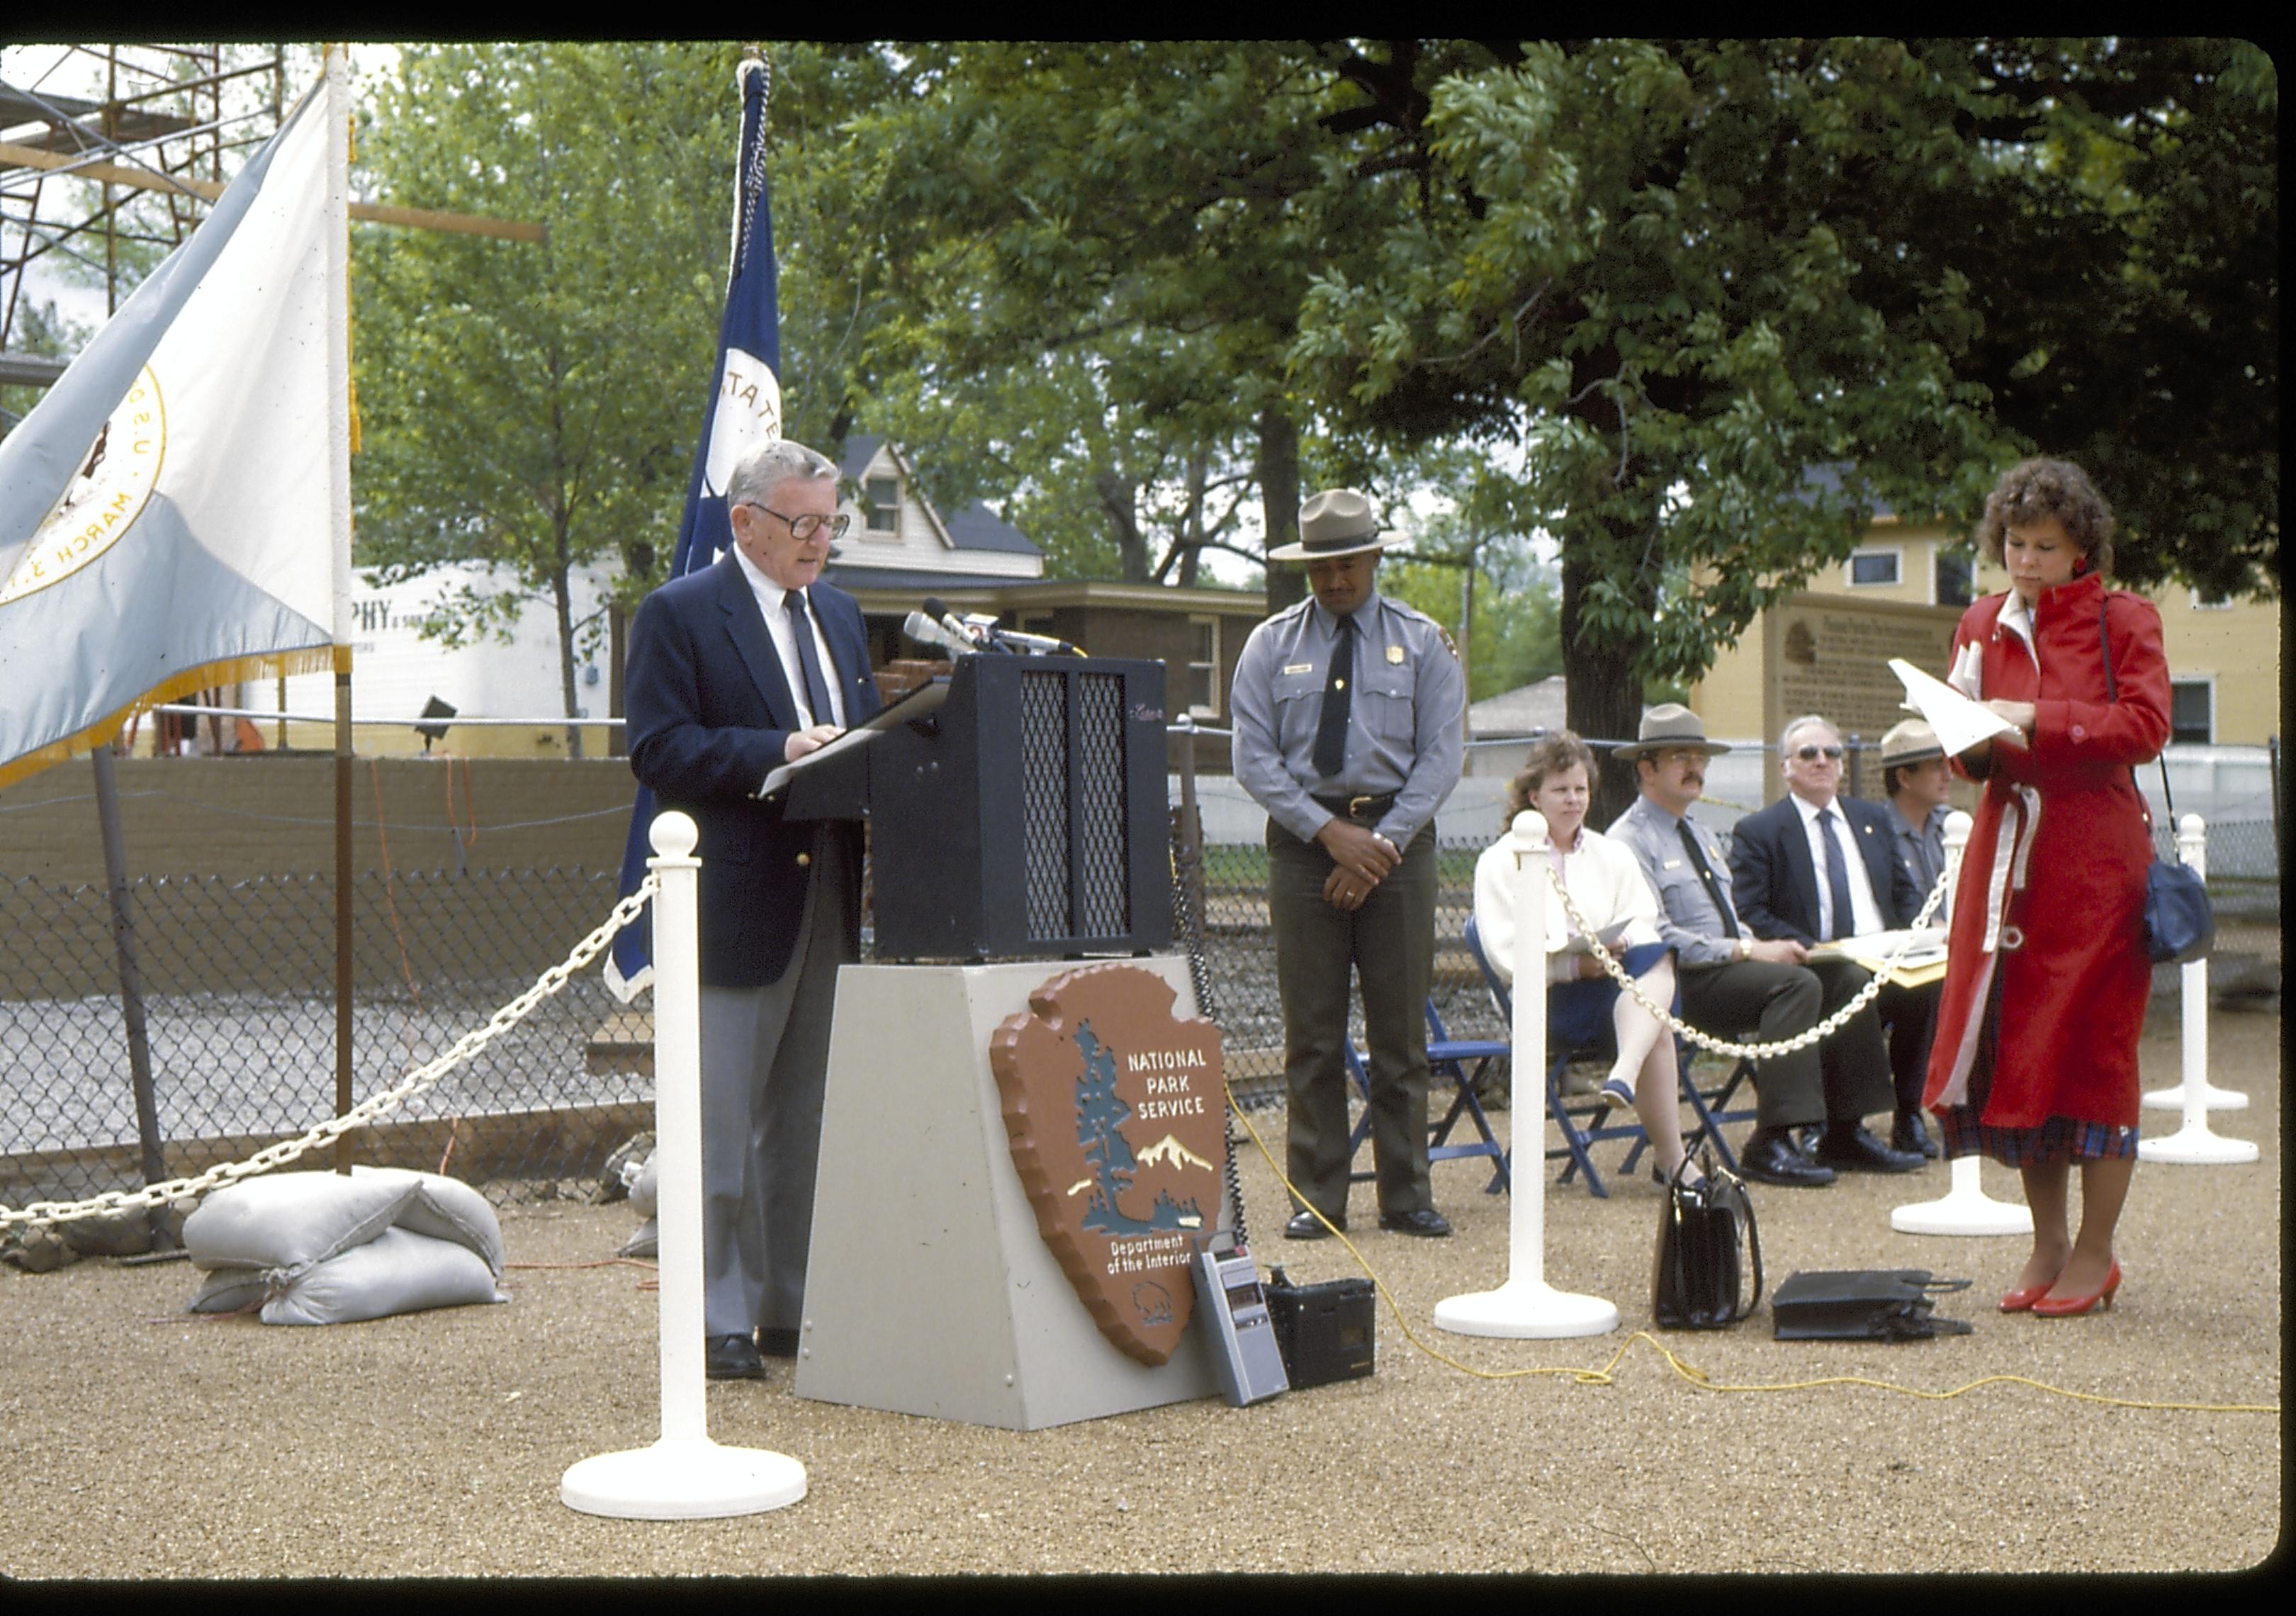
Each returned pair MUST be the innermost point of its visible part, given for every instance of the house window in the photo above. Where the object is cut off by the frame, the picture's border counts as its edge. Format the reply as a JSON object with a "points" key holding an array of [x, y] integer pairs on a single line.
{"points": [[2211, 603], [1872, 566], [1203, 666], [883, 496], [2192, 711], [1956, 580]]}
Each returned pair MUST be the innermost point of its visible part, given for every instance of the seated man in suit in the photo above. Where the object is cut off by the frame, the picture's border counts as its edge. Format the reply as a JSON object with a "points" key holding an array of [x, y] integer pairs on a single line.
{"points": [[736, 669], [1816, 865], [1732, 979]]}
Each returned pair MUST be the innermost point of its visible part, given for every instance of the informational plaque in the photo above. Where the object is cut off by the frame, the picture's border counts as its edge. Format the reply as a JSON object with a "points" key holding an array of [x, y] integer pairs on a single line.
{"points": [[1830, 655], [1114, 1108]]}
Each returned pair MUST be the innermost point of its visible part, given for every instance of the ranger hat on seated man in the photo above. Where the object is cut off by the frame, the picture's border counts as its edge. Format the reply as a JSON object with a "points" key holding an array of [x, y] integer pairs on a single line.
{"points": [[1338, 521], [1912, 742], [1665, 727]]}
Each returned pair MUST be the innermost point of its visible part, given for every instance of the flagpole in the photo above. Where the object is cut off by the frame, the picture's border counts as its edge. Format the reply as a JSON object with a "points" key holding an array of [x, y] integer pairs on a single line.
{"points": [[336, 231]]}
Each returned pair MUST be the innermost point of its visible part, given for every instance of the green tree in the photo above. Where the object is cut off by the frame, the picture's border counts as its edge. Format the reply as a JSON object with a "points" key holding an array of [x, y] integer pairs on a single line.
{"points": [[1663, 282], [1128, 229], [530, 406]]}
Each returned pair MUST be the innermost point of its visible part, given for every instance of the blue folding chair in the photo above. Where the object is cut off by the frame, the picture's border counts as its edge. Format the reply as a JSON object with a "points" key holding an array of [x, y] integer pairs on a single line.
{"points": [[1460, 1061], [1585, 1120]]}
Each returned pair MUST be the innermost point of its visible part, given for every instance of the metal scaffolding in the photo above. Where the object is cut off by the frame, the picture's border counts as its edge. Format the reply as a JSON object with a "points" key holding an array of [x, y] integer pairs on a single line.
{"points": [[109, 155]]}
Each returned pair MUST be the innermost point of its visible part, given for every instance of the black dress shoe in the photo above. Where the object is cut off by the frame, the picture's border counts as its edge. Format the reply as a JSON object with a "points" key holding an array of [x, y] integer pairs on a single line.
{"points": [[1304, 1226], [732, 1358], [1856, 1150], [777, 1340], [1426, 1223], [1771, 1158], [1907, 1134]]}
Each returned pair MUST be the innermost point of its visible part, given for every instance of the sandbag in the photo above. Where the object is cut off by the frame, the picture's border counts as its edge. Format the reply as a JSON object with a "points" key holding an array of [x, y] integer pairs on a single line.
{"points": [[318, 1247], [286, 1222], [447, 1209], [398, 1271]]}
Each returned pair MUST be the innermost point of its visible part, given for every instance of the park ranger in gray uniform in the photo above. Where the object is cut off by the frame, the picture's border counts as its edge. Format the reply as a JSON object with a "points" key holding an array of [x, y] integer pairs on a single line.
{"points": [[1347, 710]]}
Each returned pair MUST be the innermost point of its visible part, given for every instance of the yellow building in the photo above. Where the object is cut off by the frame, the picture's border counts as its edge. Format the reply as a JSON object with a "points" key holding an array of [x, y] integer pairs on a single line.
{"points": [[1901, 592]]}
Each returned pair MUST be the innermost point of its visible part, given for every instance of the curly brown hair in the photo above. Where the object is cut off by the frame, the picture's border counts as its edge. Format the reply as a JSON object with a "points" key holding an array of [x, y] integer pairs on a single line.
{"points": [[1551, 756], [2034, 490]]}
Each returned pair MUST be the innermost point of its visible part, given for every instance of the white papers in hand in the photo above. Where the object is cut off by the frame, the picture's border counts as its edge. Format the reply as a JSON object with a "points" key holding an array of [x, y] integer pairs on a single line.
{"points": [[1960, 723]]}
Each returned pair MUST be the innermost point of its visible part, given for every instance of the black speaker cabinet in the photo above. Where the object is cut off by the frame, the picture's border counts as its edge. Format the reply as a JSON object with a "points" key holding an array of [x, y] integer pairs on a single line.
{"points": [[1026, 818]]}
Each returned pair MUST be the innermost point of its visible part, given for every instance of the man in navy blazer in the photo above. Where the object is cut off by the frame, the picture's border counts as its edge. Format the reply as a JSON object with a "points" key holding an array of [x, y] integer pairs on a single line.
{"points": [[1813, 867], [734, 669]]}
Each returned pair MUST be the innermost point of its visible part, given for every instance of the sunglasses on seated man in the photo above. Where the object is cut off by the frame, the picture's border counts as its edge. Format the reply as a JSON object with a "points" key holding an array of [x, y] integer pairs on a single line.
{"points": [[1811, 754]]}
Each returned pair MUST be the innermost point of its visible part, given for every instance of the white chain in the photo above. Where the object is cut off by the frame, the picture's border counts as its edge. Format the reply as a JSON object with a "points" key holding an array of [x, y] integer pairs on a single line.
{"points": [[42, 1212], [1802, 1040]]}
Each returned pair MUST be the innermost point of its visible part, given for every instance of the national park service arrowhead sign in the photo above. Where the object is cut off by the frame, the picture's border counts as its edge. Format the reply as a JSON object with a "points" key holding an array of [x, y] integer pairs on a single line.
{"points": [[1114, 1108]]}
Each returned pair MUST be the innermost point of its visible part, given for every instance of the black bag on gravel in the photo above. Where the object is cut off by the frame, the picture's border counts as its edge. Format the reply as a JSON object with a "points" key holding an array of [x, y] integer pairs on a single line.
{"points": [[1706, 1233], [1863, 1305]]}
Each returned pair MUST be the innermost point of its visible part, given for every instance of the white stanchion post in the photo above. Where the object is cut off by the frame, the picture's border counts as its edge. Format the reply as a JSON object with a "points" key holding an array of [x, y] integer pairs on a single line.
{"points": [[1526, 1306], [2193, 847], [1966, 1208], [684, 1476], [2193, 1144]]}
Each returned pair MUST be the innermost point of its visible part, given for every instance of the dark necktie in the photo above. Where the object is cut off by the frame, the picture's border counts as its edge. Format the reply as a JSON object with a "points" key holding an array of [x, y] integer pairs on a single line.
{"points": [[816, 688], [1331, 726], [1706, 873], [1836, 874]]}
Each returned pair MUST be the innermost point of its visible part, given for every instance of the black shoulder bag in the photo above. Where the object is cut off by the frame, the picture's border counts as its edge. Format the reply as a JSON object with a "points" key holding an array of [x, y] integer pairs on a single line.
{"points": [[1705, 1234], [2180, 924]]}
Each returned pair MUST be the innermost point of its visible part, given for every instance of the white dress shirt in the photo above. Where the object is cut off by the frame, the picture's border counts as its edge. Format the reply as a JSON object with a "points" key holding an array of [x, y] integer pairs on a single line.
{"points": [[1865, 913], [772, 601]]}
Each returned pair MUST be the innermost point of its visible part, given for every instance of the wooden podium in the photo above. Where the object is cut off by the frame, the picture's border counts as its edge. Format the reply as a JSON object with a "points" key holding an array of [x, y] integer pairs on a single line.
{"points": [[929, 1289]]}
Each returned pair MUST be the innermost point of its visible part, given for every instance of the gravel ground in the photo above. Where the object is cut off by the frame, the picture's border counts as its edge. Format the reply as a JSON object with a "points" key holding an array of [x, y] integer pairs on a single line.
{"points": [[145, 1445]]}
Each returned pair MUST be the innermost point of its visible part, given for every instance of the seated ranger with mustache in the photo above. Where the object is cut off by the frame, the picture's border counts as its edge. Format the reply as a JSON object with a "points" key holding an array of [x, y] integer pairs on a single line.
{"points": [[1731, 981]]}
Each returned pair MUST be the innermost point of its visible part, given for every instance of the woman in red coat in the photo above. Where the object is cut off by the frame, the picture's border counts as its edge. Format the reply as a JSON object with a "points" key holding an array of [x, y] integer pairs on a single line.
{"points": [[2034, 1057]]}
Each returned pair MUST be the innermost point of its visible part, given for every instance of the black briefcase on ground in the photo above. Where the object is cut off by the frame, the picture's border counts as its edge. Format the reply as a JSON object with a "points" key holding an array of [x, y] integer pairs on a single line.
{"points": [[1863, 1305]]}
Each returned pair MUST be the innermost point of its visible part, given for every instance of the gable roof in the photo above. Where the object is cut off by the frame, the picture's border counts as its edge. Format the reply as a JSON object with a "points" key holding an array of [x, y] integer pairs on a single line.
{"points": [[976, 527]]}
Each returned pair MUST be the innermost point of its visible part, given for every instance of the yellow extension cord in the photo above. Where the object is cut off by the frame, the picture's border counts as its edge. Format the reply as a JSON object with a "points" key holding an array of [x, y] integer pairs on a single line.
{"points": [[1691, 1372]]}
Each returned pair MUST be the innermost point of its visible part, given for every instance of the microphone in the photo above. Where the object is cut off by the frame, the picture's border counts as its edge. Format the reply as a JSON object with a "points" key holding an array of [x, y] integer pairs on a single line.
{"points": [[1035, 644], [927, 631], [937, 611]]}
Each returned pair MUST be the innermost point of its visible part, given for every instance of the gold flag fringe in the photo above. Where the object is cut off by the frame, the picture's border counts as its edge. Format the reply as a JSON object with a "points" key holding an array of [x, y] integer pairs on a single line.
{"points": [[229, 670]]}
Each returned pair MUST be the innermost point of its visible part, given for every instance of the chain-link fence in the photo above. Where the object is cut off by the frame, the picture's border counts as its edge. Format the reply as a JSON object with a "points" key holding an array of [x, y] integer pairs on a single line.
{"points": [[237, 1012], [237, 1015]]}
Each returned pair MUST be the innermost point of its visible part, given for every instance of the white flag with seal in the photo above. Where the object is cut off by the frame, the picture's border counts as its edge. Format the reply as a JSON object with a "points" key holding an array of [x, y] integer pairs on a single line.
{"points": [[169, 518]]}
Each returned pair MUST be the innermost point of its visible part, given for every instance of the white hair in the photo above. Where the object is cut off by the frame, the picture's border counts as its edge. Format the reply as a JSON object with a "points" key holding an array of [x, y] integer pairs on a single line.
{"points": [[758, 473]]}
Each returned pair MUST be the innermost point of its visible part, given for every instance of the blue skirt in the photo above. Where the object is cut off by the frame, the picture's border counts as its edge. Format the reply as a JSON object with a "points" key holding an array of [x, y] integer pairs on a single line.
{"points": [[1578, 1013]]}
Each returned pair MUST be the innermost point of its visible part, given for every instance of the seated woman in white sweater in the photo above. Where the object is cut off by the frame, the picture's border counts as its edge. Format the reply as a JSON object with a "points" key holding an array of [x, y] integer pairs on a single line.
{"points": [[1607, 885]]}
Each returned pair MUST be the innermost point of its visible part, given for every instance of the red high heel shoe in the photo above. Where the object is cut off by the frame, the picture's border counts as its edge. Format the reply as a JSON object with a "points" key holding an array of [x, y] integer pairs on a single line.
{"points": [[2022, 1301], [2067, 1306]]}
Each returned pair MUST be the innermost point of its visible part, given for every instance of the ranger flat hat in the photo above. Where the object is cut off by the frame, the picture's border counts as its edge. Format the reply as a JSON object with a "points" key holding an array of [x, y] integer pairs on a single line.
{"points": [[1912, 742], [1666, 727], [1338, 521]]}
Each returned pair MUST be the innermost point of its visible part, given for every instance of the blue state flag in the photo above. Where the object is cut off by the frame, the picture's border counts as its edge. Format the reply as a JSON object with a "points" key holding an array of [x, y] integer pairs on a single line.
{"points": [[743, 411]]}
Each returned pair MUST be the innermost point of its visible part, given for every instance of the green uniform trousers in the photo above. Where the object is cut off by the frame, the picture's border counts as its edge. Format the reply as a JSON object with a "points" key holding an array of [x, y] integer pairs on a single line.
{"points": [[1391, 943]]}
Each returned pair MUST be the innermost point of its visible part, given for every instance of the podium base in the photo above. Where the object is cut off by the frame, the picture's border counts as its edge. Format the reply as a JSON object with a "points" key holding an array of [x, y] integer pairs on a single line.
{"points": [[1526, 1311], [929, 1288], [689, 1480]]}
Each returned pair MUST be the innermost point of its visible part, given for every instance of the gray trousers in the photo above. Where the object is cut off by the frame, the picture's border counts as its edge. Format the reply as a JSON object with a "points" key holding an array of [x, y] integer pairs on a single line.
{"points": [[765, 1061]]}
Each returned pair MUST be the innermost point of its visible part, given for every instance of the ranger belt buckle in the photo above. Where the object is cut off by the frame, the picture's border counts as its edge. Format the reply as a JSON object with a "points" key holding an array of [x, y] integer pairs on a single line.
{"points": [[1358, 806]]}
